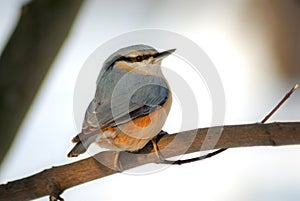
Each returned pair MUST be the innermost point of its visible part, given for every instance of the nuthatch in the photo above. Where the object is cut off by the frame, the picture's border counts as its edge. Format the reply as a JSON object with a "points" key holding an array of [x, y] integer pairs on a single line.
{"points": [[131, 104]]}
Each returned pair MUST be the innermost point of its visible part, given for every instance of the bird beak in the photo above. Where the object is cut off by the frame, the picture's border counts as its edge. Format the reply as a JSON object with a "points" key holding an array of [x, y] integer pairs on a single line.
{"points": [[161, 55]]}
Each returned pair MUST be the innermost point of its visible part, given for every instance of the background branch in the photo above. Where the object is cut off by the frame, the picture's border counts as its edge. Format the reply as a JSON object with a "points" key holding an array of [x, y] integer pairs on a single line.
{"points": [[57, 179], [27, 57]]}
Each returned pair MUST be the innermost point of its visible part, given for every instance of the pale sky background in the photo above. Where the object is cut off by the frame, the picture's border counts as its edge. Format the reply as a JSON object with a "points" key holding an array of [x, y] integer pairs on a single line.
{"points": [[251, 83]]}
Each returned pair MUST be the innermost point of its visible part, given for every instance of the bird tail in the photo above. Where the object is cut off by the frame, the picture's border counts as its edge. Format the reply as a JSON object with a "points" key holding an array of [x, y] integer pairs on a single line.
{"points": [[81, 146]]}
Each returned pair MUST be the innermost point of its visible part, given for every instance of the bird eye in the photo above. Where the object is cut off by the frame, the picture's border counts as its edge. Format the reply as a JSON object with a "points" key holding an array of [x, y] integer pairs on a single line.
{"points": [[139, 58]]}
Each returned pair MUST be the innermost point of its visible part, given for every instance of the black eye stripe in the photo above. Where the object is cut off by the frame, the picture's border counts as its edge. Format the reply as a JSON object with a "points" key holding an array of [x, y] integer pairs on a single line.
{"points": [[138, 58]]}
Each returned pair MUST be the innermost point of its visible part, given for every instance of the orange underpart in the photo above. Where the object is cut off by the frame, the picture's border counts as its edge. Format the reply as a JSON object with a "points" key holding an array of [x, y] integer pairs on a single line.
{"points": [[110, 129], [142, 122]]}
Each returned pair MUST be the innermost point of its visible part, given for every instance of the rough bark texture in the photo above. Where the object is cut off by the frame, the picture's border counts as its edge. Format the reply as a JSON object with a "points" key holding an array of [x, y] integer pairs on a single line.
{"points": [[55, 180], [41, 31]]}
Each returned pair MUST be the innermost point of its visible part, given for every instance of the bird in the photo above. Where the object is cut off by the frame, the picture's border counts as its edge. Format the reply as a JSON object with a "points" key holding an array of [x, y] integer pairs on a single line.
{"points": [[131, 103]]}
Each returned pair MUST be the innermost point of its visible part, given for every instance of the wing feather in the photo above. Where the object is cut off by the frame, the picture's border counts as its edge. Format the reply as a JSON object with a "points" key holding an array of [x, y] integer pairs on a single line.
{"points": [[100, 116]]}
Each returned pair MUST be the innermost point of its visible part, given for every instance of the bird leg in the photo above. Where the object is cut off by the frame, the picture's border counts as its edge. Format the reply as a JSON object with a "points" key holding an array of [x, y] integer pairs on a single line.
{"points": [[117, 164], [159, 155], [157, 152]]}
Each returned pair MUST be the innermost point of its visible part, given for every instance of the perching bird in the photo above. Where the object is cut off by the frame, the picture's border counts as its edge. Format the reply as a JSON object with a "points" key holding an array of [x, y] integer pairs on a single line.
{"points": [[131, 103]]}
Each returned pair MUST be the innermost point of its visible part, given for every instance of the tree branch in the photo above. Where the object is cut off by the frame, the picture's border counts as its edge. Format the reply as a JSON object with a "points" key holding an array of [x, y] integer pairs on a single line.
{"points": [[55, 180], [27, 57]]}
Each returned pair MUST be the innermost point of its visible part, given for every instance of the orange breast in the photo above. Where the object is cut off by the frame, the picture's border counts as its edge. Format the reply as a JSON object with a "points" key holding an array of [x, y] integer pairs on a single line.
{"points": [[134, 135]]}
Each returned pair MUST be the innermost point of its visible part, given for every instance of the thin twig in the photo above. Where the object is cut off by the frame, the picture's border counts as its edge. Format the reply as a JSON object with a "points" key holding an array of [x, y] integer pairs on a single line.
{"points": [[280, 103], [190, 160]]}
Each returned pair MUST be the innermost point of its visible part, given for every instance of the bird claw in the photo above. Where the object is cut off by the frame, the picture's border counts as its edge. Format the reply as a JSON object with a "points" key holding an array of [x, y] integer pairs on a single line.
{"points": [[55, 192], [163, 133], [55, 198]]}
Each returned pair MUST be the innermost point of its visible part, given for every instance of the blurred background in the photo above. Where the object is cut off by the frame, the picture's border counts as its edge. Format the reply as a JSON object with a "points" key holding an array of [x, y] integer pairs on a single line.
{"points": [[254, 44]]}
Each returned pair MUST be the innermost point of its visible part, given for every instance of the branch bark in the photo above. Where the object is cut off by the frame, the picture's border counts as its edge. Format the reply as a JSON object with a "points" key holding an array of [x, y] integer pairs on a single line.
{"points": [[55, 180]]}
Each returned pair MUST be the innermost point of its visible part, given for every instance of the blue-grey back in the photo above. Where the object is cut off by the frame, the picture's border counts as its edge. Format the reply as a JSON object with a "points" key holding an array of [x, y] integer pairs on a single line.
{"points": [[122, 96]]}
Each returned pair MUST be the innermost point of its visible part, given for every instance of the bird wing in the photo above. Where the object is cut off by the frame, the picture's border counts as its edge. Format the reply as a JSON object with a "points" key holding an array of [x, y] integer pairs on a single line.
{"points": [[144, 101], [121, 109]]}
